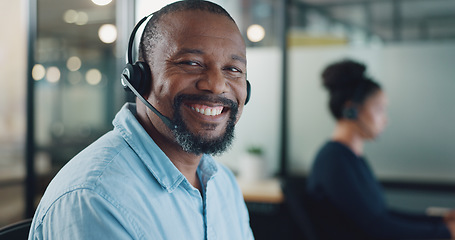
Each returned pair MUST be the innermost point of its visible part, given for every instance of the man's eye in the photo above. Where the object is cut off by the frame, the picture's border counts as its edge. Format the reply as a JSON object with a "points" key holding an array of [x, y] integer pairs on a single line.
{"points": [[234, 69], [190, 63]]}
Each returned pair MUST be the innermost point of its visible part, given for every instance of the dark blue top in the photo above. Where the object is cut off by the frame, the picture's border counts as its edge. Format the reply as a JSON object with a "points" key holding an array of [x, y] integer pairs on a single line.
{"points": [[344, 181]]}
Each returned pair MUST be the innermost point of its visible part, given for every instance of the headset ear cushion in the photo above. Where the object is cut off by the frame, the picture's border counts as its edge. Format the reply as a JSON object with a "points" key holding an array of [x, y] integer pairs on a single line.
{"points": [[128, 71], [350, 113], [145, 82], [248, 91], [133, 73]]}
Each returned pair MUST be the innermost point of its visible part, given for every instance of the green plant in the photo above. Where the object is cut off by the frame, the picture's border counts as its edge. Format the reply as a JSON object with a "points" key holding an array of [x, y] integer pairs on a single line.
{"points": [[255, 150]]}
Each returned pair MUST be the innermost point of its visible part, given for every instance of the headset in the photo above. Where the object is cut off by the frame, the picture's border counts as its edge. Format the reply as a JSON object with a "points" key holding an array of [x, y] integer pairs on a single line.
{"points": [[352, 112], [136, 77]]}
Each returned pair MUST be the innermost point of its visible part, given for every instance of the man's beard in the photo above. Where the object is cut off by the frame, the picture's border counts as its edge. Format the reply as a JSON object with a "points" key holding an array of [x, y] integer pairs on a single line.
{"points": [[197, 144]]}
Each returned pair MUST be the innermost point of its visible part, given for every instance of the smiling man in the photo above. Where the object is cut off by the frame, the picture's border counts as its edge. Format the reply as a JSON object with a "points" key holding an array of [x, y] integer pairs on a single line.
{"points": [[152, 177]]}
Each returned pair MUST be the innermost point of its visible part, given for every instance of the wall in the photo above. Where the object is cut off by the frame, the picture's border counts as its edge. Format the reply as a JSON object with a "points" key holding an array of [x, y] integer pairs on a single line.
{"points": [[13, 64]]}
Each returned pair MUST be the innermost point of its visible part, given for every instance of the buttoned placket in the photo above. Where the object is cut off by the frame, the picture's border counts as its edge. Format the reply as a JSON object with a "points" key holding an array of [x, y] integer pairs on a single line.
{"points": [[203, 195], [210, 231], [199, 200], [203, 173]]}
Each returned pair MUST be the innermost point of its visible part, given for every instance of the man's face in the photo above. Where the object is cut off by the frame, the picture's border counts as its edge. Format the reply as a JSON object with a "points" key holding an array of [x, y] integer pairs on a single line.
{"points": [[198, 79]]}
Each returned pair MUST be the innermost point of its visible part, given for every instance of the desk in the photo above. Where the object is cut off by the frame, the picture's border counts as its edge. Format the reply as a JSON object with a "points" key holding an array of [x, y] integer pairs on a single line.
{"points": [[269, 217], [262, 191]]}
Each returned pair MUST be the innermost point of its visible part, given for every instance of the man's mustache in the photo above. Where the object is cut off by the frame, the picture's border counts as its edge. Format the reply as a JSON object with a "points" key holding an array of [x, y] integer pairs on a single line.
{"points": [[205, 98]]}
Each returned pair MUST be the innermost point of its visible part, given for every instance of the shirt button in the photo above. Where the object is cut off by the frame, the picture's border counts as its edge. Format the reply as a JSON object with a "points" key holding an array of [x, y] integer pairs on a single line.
{"points": [[211, 233]]}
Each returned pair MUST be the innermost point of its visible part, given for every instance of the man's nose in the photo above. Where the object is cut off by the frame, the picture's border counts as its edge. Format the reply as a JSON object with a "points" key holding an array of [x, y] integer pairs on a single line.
{"points": [[213, 81]]}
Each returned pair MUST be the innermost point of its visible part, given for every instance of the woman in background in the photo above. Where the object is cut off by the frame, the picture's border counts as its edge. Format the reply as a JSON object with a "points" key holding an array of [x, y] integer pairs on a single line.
{"points": [[348, 198]]}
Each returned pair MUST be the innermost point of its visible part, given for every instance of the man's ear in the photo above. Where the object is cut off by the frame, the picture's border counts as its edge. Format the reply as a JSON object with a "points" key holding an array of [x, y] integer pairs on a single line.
{"points": [[145, 81]]}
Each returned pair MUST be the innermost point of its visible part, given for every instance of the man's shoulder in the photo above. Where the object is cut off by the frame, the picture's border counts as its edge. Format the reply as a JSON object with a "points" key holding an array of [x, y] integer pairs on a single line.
{"points": [[103, 172], [87, 169], [92, 162]]}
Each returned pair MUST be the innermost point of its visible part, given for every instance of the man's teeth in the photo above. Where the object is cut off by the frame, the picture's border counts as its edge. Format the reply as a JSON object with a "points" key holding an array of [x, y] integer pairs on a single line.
{"points": [[208, 111]]}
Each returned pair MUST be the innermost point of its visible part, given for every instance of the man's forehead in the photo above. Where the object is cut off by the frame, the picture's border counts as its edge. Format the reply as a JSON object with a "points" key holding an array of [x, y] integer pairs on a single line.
{"points": [[189, 24], [197, 20], [188, 13], [237, 57]]}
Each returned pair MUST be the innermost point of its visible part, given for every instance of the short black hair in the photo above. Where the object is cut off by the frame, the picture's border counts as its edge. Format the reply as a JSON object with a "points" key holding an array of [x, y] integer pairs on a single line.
{"points": [[347, 81], [151, 32]]}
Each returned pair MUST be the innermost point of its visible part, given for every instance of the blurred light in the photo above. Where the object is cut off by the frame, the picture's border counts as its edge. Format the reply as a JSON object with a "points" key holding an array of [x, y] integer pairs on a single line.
{"points": [[376, 42], [317, 23], [70, 16], [255, 33], [338, 30], [93, 76], [42, 162], [73, 63], [57, 129], [38, 72], [74, 77], [107, 33], [53, 74], [101, 2], [84, 131], [358, 37], [82, 18]]}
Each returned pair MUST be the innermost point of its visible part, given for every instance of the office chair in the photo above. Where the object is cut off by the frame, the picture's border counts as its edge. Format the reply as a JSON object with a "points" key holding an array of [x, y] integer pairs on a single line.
{"points": [[16, 231], [298, 205], [318, 220]]}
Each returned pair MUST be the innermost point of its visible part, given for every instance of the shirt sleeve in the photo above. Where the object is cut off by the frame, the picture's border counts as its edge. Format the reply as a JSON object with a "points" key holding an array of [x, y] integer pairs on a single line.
{"points": [[83, 214], [359, 197]]}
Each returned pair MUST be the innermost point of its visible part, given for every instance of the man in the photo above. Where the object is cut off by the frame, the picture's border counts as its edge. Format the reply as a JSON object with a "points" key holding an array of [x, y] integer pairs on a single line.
{"points": [[147, 179]]}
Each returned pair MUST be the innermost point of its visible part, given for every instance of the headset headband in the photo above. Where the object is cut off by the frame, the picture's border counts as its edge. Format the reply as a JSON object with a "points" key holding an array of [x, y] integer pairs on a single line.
{"points": [[132, 37]]}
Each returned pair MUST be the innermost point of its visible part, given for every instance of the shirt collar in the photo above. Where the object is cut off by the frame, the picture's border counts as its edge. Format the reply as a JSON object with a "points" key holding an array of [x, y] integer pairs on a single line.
{"points": [[152, 156], [207, 169]]}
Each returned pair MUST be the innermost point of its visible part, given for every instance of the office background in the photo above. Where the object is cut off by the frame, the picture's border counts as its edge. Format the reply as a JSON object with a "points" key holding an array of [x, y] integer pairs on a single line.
{"points": [[60, 86]]}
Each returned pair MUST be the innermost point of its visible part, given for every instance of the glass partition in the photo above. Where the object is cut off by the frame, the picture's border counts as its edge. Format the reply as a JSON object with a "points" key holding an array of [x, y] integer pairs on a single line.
{"points": [[75, 80], [409, 48]]}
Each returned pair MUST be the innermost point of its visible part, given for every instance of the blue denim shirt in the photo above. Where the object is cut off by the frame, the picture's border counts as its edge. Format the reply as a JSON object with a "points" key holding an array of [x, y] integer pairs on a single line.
{"points": [[124, 187]]}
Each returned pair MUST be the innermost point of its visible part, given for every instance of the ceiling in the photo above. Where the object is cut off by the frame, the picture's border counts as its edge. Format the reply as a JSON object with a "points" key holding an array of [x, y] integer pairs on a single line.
{"points": [[390, 20], [51, 22]]}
